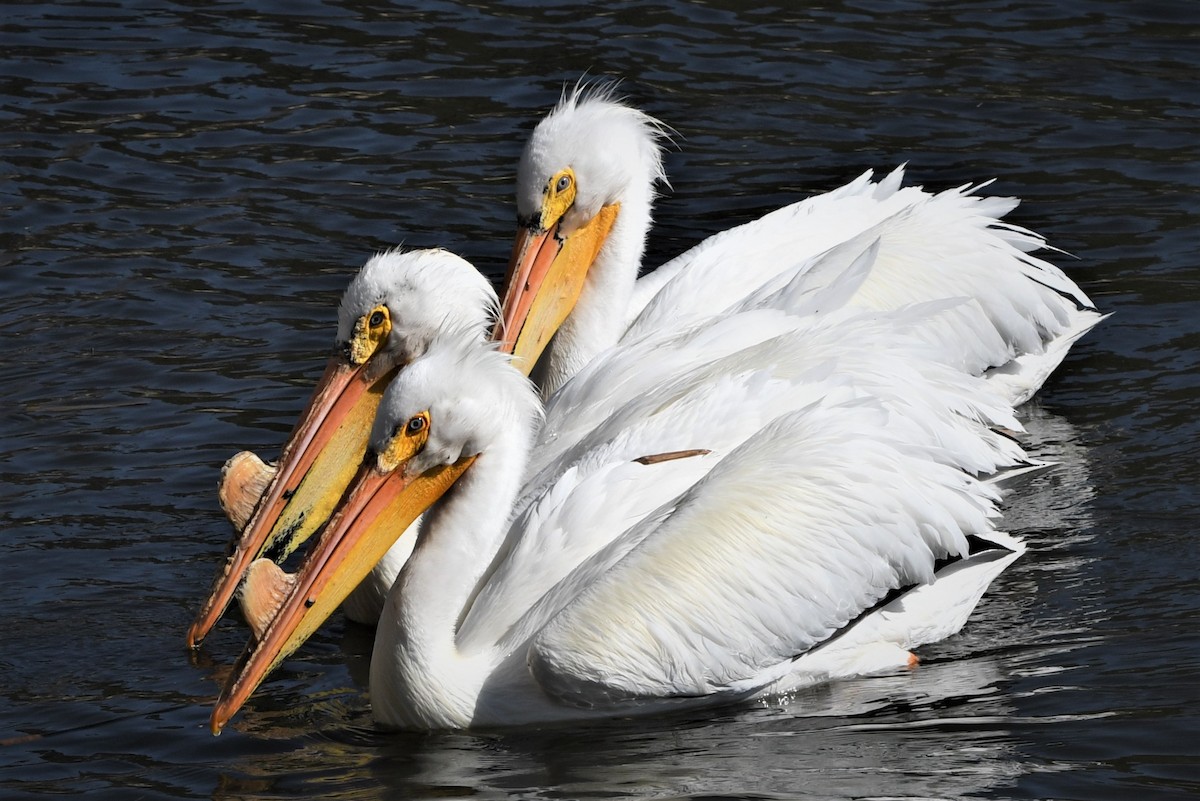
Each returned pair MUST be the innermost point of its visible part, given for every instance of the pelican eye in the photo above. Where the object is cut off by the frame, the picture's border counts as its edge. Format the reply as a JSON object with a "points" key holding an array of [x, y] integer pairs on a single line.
{"points": [[407, 440], [559, 197], [377, 319]]}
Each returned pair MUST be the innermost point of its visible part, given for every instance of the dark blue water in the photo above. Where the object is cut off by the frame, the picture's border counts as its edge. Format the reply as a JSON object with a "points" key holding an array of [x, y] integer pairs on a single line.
{"points": [[185, 189]]}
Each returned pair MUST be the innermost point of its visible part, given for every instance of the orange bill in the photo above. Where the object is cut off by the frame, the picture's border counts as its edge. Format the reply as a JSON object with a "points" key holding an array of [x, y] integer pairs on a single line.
{"points": [[546, 275], [326, 445], [377, 508]]}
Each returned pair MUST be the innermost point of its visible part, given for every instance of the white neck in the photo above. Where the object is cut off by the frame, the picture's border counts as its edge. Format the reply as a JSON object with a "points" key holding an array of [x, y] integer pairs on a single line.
{"points": [[419, 677], [599, 318]]}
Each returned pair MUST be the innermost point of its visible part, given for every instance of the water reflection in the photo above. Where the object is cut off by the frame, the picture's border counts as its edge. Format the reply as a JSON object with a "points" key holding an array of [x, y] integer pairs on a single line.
{"points": [[938, 733]]}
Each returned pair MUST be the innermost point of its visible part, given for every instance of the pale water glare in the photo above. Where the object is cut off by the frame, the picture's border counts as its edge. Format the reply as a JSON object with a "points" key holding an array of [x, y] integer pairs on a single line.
{"points": [[187, 187]]}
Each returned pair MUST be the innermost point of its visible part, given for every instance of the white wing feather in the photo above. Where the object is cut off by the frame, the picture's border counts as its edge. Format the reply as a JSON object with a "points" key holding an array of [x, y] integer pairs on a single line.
{"points": [[883, 354], [787, 540], [930, 247], [592, 494]]}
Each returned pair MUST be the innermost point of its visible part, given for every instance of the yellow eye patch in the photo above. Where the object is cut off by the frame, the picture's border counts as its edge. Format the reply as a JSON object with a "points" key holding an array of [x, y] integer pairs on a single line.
{"points": [[370, 332], [559, 197], [407, 441]]}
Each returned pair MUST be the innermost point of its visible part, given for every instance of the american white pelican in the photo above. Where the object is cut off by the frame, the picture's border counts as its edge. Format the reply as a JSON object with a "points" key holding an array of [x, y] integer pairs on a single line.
{"points": [[585, 186], [797, 510], [389, 313]]}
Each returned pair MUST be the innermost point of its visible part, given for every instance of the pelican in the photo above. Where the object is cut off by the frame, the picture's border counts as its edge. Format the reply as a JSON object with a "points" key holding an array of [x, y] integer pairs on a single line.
{"points": [[585, 188], [584, 193], [801, 509], [388, 314]]}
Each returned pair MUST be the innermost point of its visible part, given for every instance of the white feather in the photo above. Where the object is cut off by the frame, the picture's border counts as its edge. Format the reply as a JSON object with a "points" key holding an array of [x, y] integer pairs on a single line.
{"points": [[826, 482]]}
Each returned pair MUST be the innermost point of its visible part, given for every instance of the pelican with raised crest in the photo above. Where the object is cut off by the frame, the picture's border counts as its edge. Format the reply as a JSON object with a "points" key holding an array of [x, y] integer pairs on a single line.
{"points": [[585, 187]]}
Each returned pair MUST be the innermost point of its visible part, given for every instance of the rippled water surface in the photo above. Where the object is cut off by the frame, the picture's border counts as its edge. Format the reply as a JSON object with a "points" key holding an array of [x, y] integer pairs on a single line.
{"points": [[187, 187]]}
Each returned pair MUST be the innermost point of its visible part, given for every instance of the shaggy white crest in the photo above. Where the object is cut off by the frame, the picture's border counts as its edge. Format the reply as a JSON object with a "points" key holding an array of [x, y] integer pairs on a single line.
{"points": [[614, 150], [425, 291]]}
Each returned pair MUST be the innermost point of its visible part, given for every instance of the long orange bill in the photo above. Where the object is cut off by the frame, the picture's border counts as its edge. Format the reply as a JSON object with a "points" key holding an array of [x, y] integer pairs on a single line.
{"points": [[545, 279], [340, 412], [375, 511], [534, 251]]}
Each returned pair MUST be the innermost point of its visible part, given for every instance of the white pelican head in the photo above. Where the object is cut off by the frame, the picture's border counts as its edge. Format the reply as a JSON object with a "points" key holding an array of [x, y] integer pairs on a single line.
{"points": [[393, 308], [592, 161], [441, 413], [411, 296]]}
